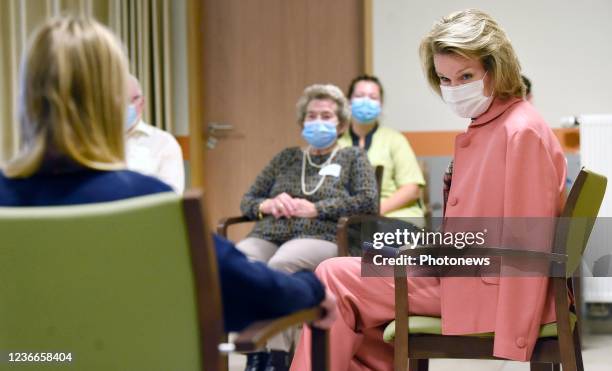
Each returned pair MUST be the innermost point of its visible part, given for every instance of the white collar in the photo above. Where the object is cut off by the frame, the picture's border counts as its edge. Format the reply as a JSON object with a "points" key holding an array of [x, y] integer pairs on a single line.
{"points": [[142, 127]]}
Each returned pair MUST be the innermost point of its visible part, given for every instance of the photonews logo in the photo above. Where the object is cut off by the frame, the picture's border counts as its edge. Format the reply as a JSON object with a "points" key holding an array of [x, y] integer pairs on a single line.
{"points": [[413, 239]]}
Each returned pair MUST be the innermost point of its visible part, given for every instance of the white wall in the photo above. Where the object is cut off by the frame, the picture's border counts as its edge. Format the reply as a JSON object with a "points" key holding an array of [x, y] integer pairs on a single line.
{"points": [[565, 48]]}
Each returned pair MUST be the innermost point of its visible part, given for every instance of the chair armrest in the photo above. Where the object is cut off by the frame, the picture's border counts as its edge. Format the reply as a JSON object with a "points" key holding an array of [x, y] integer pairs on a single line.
{"points": [[342, 229], [345, 221], [255, 336], [224, 223], [491, 251]]}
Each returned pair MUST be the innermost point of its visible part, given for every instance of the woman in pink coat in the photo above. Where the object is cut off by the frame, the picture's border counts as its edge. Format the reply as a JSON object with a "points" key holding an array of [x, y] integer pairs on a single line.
{"points": [[508, 163]]}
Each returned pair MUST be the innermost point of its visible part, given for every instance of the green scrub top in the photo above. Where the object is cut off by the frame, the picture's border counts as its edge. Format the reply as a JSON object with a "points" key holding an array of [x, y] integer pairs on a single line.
{"points": [[390, 148]]}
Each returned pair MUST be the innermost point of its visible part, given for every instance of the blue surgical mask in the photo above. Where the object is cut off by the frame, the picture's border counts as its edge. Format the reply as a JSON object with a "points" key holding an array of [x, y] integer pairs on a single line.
{"points": [[365, 110], [320, 134], [131, 115]]}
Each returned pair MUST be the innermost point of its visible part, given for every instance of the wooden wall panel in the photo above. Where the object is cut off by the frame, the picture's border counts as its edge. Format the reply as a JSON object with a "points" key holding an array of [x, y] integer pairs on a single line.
{"points": [[258, 58]]}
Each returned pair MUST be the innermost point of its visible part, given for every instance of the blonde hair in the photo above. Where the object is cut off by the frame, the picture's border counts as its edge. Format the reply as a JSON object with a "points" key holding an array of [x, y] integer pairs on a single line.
{"points": [[327, 91], [474, 34], [73, 96]]}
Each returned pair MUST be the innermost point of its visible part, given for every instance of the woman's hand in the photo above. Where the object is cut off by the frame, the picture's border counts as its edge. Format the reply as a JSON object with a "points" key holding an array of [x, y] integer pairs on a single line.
{"points": [[331, 311], [304, 208], [279, 206], [287, 206]]}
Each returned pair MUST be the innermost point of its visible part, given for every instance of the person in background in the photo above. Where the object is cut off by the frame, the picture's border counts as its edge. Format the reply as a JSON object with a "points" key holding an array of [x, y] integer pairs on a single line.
{"points": [[527, 83], [299, 196], [150, 150], [402, 177], [507, 164], [72, 113]]}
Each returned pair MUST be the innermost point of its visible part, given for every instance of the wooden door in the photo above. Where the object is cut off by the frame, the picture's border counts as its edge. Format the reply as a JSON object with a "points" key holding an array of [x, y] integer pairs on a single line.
{"points": [[258, 56]]}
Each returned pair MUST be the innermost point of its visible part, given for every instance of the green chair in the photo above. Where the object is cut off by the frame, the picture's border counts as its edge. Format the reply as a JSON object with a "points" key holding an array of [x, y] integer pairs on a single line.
{"points": [[558, 343], [110, 283], [125, 285]]}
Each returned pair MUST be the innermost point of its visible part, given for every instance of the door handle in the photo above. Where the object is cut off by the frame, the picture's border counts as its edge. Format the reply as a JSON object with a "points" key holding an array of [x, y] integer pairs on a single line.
{"points": [[214, 127]]}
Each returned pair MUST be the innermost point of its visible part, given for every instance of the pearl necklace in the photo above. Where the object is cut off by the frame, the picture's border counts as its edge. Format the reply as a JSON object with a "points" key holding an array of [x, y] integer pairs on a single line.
{"points": [[306, 157]]}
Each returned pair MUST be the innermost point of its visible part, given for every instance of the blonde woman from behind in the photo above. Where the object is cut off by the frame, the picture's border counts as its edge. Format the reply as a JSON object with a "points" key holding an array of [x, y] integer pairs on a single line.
{"points": [[72, 103]]}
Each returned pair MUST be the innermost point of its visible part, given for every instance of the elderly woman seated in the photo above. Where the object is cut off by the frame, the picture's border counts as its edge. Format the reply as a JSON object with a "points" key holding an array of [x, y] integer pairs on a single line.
{"points": [[300, 195]]}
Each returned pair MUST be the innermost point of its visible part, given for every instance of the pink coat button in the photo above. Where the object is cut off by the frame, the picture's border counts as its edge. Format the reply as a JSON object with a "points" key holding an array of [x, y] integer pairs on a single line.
{"points": [[520, 342], [464, 142], [453, 201]]}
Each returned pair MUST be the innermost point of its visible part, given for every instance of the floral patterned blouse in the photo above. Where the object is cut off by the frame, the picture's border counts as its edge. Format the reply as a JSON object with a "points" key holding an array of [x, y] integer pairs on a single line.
{"points": [[352, 191]]}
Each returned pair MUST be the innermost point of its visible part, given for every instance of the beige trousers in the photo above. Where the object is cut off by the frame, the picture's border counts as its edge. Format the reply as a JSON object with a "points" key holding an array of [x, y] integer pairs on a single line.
{"points": [[290, 257]]}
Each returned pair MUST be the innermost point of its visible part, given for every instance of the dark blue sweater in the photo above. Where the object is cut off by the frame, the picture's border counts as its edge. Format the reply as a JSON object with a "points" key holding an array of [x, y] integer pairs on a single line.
{"points": [[251, 291], [82, 186]]}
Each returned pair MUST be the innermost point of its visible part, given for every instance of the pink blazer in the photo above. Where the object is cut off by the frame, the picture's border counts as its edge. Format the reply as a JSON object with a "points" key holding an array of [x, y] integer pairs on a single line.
{"points": [[507, 164]]}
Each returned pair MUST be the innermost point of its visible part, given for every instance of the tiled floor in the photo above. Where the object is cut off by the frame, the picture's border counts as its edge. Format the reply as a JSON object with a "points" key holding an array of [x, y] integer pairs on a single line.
{"points": [[596, 352]]}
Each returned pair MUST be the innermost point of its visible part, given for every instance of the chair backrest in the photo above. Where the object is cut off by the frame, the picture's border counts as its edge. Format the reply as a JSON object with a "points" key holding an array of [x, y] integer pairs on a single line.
{"points": [[578, 217], [379, 171], [424, 199], [112, 283]]}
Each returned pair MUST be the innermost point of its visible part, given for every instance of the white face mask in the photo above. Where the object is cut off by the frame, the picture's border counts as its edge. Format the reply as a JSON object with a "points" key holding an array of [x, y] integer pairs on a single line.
{"points": [[467, 100]]}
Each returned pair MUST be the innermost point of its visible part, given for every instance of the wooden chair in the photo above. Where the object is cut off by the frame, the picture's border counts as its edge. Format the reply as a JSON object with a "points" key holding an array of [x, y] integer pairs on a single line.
{"points": [[129, 285], [263, 333], [343, 223], [558, 342]]}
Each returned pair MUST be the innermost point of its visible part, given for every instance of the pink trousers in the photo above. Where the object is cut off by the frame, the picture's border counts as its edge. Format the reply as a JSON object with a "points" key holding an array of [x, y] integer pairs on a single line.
{"points": [[366, 306]]}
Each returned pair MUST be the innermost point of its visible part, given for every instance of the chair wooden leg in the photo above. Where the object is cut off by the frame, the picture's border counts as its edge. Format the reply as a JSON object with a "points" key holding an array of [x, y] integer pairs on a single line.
{"points": [[567, 348], [225, 360], [534, 366], [319, 355], [418, 365], [578, 348]]}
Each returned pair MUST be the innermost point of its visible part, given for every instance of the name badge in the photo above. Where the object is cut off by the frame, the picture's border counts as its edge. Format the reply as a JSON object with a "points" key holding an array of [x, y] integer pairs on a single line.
{"points": [[331, 169]]}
